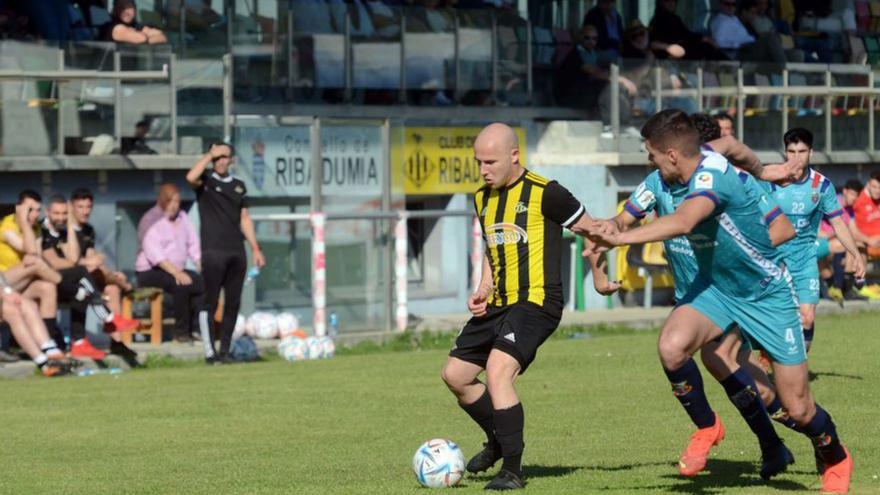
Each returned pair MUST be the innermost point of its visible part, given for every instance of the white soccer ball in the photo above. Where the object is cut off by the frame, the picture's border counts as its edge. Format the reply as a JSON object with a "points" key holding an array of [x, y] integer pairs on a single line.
{"points": [[328, 347], [293, 349], [287, 324], [438, 463], [316, 347], [262, 325], [240, 327]]}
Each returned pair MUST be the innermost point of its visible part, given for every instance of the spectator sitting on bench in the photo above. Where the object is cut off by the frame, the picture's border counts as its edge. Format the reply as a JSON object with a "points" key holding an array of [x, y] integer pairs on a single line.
{"points": [[867, 214], [21, 264], [124, 28], [167, 240], [111, 283], [23, 318], [61, 251]]}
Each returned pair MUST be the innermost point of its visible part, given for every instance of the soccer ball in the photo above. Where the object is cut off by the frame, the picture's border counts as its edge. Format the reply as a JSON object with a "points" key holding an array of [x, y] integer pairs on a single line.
{"points": [[262, 325], [293, 349], [240, 326], [316, 347], [438, 463], [287, 324], [329, 348]]}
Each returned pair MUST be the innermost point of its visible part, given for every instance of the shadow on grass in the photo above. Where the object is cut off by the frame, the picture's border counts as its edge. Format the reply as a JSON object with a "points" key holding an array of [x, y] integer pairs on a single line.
{"points": [[815, 375], [533, 472], [720, 475]]}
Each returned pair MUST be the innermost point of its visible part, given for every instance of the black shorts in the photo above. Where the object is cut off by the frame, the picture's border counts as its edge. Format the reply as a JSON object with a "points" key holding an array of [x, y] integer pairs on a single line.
{"points": [[517, 330]]}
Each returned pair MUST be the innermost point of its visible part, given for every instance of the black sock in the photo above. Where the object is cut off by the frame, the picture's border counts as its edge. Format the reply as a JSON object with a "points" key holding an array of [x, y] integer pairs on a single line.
{"points": [[823, 434], [55, 333], [482, 413], [509, 431], [687, 386], [808, 336], [780, 415], [743, 393], [838, 274]]}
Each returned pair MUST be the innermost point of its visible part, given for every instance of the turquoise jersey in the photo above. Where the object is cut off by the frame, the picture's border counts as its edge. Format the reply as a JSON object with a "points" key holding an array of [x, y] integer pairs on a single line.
{"points": [[654, 195], [732, 246], [805, 203]]}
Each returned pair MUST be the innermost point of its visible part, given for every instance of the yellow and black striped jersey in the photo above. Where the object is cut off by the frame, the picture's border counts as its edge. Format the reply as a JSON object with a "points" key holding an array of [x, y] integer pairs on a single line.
{"points": [[522, 226]]}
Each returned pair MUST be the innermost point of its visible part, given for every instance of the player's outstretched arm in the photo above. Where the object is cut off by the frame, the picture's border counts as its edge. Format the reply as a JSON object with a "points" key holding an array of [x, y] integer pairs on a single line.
{"points": [[845, 236], [781, 230], [681, 222], [738, 153]]}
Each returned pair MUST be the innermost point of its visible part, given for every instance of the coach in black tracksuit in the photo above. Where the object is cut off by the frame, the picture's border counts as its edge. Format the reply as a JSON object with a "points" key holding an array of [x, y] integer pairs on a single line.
{"points": [[225, 223]]}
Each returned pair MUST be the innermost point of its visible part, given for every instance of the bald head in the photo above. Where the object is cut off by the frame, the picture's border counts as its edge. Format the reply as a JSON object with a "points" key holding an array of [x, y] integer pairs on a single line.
{"points": [[496, 150]]}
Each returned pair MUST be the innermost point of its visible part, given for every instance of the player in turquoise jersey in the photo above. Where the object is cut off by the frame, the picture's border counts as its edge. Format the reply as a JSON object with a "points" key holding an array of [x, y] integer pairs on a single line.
{"points": [[806, 200], [723, 359], [740, 278]]}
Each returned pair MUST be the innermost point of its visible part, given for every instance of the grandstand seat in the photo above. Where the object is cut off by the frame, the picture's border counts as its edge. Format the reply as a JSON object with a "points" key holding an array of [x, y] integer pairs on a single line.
{"points": [[649, 259], [151, 326]]}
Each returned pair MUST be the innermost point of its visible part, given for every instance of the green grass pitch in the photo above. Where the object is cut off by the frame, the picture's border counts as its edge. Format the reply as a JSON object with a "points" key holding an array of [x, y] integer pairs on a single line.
{"points": [[599, 419]]}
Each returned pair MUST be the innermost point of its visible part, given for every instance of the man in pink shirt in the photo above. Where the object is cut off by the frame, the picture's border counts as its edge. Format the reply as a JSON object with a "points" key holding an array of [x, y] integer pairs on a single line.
{"points": [[167, 241]]}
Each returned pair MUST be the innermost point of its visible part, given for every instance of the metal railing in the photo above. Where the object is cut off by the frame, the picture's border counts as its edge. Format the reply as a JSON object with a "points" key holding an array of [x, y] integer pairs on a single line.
{"points": [[740, 91], [117, 76]]}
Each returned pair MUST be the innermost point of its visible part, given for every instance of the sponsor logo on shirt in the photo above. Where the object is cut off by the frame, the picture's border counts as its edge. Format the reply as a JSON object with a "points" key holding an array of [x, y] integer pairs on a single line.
{"points": [[505, 233], [704, 180]]}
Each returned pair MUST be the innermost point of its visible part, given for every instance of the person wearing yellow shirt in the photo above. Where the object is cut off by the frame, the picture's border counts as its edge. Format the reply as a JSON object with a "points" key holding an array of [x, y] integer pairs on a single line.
{"points": [[21, 264]]}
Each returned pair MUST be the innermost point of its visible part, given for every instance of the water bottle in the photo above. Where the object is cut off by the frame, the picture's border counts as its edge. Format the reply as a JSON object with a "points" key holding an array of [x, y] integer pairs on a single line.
{"points": [[86, 372], [252, 275], [334, 325]]}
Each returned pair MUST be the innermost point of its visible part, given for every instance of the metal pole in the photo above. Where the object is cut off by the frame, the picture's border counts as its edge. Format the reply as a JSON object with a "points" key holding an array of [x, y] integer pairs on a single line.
{"points": [[658, 89], [828, 103], [230, 17], [117, 105], [319, 282], [181, 7], [402, 93], [784, 102], [456, 94], [740, 104], [494, 57], [227, 96], [529, 62], [347, 58], [388, 227], [700, 89], [317, 165], [871, 100], [172, 80], [290, 65], [615, 105], [59, 87]]}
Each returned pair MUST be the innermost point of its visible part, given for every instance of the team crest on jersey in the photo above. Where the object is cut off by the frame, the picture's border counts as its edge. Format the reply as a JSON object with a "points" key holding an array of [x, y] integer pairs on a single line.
{"points": [[505, 233], [239, 190], [815, 197], [704, 180], [520, 207]]}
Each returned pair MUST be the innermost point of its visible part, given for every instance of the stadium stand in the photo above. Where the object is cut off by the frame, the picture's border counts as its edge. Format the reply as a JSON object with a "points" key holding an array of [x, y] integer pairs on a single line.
{"points": [[397, 88]]}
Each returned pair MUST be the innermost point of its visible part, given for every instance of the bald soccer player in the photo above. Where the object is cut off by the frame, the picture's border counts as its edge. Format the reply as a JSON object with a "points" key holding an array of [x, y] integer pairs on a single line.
{"points": [[518, 303]]}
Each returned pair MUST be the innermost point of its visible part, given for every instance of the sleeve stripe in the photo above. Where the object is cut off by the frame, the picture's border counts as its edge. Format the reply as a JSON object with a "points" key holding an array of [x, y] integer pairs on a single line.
{"points": [[631, 208], [707, 194], [572, 219], [835, 213], [772, 214], [825, 185]]}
